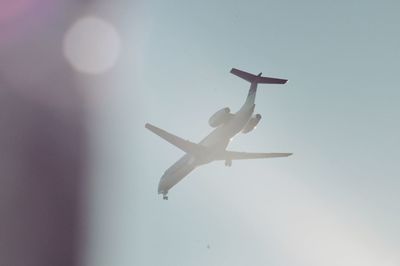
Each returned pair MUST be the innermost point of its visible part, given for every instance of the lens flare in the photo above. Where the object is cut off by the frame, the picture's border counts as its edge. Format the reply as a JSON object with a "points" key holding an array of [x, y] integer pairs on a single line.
{"points": [[92, 45], [12, 9]]}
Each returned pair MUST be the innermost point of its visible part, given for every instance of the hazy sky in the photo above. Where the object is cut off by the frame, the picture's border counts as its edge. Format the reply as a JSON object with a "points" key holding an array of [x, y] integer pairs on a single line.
{"points": [[334, 202]]}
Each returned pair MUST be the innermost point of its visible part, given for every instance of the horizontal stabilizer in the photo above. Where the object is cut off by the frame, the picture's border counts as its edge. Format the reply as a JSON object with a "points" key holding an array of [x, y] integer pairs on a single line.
{"points": [[184, 145], [235, 155], [257, 79]]}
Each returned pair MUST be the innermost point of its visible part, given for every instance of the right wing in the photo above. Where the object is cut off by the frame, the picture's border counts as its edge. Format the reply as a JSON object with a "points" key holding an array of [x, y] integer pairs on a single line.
{"points": [[185, 145], [236, 155]]}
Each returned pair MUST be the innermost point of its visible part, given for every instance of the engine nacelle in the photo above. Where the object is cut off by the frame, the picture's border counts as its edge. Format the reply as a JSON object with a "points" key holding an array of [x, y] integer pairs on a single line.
{"points": [[220, 117], [252, 123]]}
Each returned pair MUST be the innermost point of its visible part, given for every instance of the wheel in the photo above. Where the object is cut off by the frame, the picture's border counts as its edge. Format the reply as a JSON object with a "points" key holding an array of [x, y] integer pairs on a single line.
{"points": [[228, 163], [165, 197]]}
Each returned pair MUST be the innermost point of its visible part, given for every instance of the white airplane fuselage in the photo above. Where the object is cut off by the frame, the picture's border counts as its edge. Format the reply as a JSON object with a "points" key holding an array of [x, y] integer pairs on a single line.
{"points": [[213, 147], [216, 142]]}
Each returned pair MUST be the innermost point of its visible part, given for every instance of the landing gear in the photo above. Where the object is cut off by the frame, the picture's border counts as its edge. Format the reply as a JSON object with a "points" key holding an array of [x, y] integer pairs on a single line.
{"points": [[165, 197], [228, 163]]}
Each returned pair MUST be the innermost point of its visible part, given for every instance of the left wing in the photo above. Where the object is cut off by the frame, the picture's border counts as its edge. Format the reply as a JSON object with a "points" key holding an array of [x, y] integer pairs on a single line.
{"points": [[185, 145], [236, 155]]}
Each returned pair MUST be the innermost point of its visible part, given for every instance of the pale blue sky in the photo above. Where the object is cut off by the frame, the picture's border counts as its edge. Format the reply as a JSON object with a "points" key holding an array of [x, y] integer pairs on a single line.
{"points": [[334, 202]]}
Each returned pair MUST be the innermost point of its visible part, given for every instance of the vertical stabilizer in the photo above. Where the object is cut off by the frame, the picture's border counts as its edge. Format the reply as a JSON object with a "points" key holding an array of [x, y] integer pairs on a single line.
{"points": [[255, 80]]}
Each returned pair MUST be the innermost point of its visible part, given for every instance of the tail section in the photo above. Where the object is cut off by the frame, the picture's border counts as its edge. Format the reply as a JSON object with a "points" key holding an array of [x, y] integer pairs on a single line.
{"points": [[257, 79]]}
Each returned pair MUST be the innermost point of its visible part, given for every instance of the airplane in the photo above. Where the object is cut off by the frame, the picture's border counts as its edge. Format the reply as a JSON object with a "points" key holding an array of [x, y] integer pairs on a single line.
{"points": [[213, 147]]}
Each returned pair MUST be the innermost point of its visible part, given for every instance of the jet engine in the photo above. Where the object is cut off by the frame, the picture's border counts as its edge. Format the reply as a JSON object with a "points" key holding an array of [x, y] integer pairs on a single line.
{"points": [[220, 117], [252, 123]]}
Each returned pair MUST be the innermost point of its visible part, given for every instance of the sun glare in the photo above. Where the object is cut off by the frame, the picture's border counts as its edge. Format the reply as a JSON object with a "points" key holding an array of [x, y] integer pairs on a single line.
{"points": [[92, 45]]}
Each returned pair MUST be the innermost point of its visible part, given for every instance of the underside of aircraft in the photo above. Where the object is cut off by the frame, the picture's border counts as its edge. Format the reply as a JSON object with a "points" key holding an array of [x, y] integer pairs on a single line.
{"points": [[213, 147]]}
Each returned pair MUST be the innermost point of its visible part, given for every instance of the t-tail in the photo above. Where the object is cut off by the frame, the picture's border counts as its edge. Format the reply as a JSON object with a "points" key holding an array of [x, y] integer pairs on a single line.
{"points": [[254, 81]]}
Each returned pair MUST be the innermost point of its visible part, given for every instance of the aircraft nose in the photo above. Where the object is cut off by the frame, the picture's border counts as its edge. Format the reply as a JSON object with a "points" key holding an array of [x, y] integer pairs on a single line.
{"points": [[162, 185]]}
